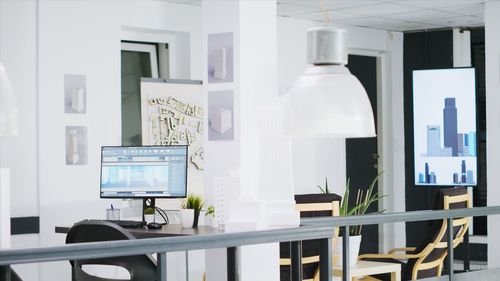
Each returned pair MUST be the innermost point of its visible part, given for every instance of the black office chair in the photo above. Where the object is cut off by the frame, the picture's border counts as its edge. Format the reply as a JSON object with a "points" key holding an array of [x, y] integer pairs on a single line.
{"points": [[140, 267], [8, 274]]}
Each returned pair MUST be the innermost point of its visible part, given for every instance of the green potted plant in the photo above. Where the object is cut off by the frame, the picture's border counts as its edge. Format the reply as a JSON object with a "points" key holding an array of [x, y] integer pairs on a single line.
{"points": [[325, 189], [190, 208], [210, 214], [364, 199], [149, 214]]}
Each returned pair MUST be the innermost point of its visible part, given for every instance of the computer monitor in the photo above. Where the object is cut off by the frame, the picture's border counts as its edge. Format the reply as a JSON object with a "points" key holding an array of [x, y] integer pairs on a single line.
{"points": [[146, 172]]}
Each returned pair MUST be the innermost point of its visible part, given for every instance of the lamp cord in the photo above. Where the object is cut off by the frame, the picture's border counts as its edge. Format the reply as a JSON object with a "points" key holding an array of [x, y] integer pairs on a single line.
{"points": [[326, 17]]}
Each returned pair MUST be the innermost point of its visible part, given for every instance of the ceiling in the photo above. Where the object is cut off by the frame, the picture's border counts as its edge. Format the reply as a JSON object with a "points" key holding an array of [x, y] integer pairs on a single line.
{"points": [[397, 15]]}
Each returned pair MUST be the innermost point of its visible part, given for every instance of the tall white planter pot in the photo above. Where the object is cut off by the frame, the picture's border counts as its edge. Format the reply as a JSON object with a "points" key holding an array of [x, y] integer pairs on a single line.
{"points": [[354, 243], [211, 221], [187, 218]]}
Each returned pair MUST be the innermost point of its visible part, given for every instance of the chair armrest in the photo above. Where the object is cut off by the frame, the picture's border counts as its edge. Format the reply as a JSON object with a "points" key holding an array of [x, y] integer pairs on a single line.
{"points": [[406, 249], [305, 260], [285, 261], [390, 256]]}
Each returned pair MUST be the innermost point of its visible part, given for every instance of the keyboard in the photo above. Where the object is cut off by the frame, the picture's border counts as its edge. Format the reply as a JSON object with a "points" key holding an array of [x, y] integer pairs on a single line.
{"points": [[128, 224]]}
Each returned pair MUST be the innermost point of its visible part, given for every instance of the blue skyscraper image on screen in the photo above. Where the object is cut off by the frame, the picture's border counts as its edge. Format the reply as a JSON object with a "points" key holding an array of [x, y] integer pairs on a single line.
{"points": [[455, 144], [450, 125]]}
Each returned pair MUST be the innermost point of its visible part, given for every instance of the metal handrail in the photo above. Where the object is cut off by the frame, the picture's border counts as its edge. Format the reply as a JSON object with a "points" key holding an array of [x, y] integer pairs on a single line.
{"points": [[313, 228], [163, 244], [402, 216]]}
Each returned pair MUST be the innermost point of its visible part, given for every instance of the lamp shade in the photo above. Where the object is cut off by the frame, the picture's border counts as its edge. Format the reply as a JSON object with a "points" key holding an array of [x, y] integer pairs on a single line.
{"points": [[327, 100], [8, 108]]}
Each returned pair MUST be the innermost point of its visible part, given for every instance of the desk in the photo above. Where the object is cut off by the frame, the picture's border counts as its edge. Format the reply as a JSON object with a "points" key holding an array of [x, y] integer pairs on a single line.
{"points": [[363, 268], [166, 231]]}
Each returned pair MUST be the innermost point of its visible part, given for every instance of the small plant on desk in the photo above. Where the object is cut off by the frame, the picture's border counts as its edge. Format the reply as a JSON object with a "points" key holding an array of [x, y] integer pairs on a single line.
{"points": [[211, 219], [194, 202], [149, 211], [149, 214], [210, 211]]}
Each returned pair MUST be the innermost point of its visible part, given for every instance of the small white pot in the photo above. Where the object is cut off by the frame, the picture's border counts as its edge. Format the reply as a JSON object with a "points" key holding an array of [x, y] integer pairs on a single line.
{"points": [[354, 243], [187, 218], [211, 221], [149, 218]]}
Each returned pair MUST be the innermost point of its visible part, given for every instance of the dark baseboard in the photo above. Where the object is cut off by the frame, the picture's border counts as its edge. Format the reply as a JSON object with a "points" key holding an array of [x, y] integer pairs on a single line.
{"points": [[25, 225], [478, 252]]}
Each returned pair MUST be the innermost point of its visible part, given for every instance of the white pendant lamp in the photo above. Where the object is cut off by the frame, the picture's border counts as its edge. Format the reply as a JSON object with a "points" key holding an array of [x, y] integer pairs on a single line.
{"points": [[327, 100]]}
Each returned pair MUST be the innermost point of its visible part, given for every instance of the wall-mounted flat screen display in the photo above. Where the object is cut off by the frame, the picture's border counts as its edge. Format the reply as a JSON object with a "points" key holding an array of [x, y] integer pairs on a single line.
{"points": [[444, 122]]}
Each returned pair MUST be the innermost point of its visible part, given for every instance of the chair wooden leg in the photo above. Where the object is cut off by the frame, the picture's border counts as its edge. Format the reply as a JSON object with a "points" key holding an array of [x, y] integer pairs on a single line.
{"points": [[396, 276]]}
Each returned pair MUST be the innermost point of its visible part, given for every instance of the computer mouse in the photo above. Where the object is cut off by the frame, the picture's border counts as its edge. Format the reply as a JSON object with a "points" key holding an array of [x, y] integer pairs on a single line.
{"points": [[154, 225]]}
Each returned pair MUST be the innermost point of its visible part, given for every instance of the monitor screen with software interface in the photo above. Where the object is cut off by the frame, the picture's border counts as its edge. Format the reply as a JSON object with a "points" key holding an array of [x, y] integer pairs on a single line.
{"points": [[144, 171]]}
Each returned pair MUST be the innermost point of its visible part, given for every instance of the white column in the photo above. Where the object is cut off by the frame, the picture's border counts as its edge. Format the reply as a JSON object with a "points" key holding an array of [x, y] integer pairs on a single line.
{"points": [[391, 142], [462, 57], [255, 85], [250, 200], [492, 29], [276, 185], [4, 208]]}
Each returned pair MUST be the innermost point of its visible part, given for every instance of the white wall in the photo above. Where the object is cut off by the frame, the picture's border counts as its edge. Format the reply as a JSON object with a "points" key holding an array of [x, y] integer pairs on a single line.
{"points": [[315, 159], [18, 53], [78, 38], [492, 29], [75, 37], [19, 154]]}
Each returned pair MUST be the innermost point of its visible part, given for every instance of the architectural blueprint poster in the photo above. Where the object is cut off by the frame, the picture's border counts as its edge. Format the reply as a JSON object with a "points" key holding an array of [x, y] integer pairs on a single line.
{"points": [[172, 114], [444, 108]]}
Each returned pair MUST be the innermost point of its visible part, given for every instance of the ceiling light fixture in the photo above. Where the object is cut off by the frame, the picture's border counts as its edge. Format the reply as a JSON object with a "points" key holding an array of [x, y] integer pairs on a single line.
{"points": [[327, 100]]}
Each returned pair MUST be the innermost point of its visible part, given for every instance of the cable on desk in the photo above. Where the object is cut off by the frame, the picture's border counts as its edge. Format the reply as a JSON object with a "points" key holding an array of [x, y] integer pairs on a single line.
{"points": [[163, 215]]}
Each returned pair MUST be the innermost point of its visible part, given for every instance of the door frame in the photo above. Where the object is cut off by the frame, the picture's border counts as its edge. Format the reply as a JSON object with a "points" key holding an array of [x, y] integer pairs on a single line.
{"points": [[144, 48], [390, 235], [178, 42]]}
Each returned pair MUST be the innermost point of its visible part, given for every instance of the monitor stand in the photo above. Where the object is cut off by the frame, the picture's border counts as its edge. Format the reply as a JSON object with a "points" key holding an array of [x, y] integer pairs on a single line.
{"points": [[147, 203]]}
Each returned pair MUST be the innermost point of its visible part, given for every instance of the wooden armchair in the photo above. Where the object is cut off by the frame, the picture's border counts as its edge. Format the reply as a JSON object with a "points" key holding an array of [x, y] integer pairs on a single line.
{"points": [[426, 260], [309, 205]]}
